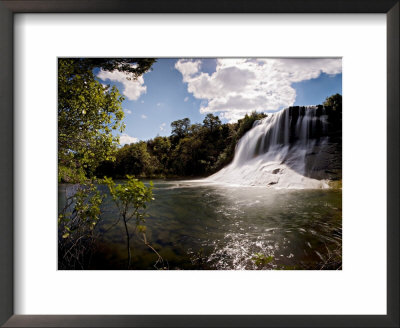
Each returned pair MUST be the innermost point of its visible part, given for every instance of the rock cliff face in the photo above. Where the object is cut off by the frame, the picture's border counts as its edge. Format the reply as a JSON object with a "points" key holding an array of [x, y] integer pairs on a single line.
{"points": [[324, 159], [298, 147]]}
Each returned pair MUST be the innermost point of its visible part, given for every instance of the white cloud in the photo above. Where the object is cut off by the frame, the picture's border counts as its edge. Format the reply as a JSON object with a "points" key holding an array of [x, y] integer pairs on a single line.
{"points": [[143, 116], [125, 139], [133, 89], [162, 126], [240, 86], [187, 68], [186, 99], [128, 111], [159, 104]]}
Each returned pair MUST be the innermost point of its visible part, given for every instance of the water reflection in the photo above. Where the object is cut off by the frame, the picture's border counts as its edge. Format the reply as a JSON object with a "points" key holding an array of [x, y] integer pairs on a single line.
{"points": [[197, 226]]}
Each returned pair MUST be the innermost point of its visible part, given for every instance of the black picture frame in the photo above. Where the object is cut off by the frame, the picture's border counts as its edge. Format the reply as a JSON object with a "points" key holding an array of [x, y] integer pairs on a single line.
{"points": [[10, 7]]}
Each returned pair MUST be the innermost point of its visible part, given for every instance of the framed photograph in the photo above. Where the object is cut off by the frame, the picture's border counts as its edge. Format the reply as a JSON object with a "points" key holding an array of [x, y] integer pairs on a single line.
{"points": [[207, 165]]}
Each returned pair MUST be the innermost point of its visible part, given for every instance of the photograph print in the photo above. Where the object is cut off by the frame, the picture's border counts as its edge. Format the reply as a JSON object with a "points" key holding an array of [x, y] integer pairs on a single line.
{"points": [[199, 164]]}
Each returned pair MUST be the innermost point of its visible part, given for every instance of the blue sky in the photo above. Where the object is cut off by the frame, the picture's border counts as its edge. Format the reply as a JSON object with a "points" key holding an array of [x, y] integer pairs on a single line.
{"points": [[229, 88], [315, 91]]}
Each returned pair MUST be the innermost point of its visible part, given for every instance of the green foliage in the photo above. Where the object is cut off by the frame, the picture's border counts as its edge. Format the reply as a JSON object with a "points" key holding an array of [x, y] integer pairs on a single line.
{"points": [[179, 129], [134, 159], [261, 260], [133, 67], [335, 184], [334, 101], [333, 108], [235, 132], [131, 198], [76, 223], [212, 123], [89, 114], [191, 150], [71, 174], [159, 149]]}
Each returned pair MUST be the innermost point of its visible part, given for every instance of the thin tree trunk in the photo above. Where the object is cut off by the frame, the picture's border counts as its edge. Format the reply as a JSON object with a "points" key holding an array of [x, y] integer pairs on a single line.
{"points": [[128, 242]]}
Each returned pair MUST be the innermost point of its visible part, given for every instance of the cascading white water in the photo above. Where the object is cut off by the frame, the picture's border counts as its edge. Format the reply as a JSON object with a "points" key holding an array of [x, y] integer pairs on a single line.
{"points": [[273, 153]]}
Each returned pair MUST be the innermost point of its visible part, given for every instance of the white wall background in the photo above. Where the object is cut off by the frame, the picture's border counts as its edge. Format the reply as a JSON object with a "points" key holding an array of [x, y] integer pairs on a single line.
{"points": [[359, 289]]}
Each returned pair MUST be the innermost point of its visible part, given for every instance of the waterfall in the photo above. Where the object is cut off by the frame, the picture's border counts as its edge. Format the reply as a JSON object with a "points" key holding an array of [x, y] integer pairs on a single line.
{"points": [[275, 152]]}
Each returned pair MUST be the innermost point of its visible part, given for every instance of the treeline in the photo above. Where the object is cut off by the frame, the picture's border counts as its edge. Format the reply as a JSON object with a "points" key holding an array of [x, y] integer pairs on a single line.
{"points": [[190, 150]]}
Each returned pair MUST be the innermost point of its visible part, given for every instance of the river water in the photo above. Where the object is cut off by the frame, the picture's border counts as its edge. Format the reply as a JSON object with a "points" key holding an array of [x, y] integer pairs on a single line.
{"points": [[195, 225]]}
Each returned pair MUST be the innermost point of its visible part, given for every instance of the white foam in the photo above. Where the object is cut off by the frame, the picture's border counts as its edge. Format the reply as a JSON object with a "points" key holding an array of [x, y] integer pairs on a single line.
{"points": [[282, 165]]}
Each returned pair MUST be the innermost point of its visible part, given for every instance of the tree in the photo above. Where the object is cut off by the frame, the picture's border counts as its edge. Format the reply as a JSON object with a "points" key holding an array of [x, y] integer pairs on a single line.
{"points": [[180, 128], [133, 67], [89, 116], [232, 134], [131, 198], [334, 101], [89, 112], [134, 160], [212, 122], [160, 148], [76, 223], [191, 150], [333, 109]]}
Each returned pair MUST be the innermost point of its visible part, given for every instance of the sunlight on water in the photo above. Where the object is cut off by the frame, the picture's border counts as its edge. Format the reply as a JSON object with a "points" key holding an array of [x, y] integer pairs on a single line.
{"points": [[263, 211], [195, 225]]}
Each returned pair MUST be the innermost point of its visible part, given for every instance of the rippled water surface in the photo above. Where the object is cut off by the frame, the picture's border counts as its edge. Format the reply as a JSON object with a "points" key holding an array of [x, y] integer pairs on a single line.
{"points": [[198, 226]]}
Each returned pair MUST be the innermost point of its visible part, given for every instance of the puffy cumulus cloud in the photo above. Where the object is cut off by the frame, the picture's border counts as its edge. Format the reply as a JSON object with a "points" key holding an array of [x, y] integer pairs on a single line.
{"points": [[143, 116], [128, 111], [133, 89], [126, 139], [162, 126], [187, 67], [240, 86]]}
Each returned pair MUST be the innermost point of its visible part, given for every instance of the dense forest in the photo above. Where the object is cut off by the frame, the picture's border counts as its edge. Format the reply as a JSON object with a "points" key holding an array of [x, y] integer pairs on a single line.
{"points": [[191, 150]]}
